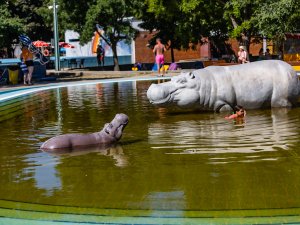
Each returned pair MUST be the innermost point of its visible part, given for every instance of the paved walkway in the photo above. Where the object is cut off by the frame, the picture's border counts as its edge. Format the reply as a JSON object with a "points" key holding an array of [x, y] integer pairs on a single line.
{"points": [[72, 77], [86, 74], [11, 92]]}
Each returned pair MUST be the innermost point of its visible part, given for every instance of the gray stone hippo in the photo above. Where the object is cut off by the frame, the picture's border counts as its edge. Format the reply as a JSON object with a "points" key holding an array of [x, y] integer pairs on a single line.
{"points": [[269, 83], [110, 134]]}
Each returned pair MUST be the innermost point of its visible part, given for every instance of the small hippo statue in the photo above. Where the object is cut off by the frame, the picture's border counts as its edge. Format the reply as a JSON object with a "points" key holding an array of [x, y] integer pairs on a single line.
{"points": [[110, 134]]}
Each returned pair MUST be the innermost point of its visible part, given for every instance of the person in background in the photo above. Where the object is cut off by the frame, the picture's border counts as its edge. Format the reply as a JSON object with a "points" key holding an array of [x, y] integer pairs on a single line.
{"points": [[268, 54], [159, 50], [27, 56], [261, 54], [24, 69], [242, 55], [100, 55]]}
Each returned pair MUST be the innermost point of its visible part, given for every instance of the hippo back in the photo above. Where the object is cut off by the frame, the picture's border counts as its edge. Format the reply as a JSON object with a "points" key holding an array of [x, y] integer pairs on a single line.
{"points": [[259, 84]]}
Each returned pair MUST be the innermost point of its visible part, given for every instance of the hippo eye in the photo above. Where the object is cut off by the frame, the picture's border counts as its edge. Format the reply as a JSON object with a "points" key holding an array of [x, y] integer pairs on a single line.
{"points": [[191, 75]]}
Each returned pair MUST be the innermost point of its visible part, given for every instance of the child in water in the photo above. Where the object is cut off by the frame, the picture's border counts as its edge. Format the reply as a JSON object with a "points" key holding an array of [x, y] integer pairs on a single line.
{"points": [[240, 112]]}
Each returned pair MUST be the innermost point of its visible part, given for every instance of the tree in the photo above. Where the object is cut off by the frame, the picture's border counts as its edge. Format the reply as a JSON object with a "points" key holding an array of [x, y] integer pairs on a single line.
{"points": [[226, 18], [206, 20], [240, 18], [182, 23], [72, 14], [32, 13], [10, 26], [164, 17], [23, 16], [251, 18], [113, 15], [275, 18]]}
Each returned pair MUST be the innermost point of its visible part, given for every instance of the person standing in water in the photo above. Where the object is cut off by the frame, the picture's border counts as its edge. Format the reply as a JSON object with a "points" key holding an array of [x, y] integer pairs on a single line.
{"points": [[27, 56], [159, 50], [240, 112]]}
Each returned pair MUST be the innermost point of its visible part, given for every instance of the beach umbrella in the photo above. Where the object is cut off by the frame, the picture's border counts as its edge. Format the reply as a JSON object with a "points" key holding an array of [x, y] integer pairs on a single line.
{"points": [[40, 44], [65, 45]]}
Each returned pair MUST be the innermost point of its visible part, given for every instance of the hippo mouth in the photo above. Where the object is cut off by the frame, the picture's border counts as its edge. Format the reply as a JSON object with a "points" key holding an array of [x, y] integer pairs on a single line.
{"points": [[116, 127], [123, 121], [119, 128], [122, 125], [167, 99], [161, 95]]}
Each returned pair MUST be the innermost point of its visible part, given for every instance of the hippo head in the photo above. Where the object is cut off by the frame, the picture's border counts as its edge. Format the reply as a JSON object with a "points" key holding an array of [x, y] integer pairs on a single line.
{"points": [[116, 126], [182, 90]]}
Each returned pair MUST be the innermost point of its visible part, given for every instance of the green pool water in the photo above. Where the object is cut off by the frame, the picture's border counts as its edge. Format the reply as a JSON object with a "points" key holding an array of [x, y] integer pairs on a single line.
{"points": [[170, 167]]}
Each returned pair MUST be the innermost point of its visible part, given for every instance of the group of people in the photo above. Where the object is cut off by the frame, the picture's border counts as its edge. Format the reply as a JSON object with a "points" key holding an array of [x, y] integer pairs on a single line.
{"points": [[266, 55], [160, 48]]}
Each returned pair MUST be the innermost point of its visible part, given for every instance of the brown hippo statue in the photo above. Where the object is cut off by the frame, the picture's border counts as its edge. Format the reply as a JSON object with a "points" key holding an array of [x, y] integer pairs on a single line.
{"points": [[110, 134]]}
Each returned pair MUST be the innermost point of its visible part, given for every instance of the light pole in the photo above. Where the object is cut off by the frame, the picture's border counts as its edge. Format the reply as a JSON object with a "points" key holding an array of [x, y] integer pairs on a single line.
{"points": [[56, 39]]}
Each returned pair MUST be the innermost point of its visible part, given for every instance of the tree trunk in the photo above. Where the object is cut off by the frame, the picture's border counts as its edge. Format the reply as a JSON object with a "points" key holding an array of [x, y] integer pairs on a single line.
{"points": [[246, 40], [115, 56], [172, 54]]}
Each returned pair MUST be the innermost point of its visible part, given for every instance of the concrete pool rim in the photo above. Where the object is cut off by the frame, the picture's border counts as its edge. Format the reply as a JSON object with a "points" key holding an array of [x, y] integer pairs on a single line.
{"points": [[14, 212], [11, 93]]}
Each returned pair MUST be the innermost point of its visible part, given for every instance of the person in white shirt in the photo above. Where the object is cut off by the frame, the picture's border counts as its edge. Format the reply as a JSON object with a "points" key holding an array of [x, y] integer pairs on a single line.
{"points": [[242, 55]]}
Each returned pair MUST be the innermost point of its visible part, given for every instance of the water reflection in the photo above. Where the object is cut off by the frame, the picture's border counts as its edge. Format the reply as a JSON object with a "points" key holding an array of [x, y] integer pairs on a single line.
{"points": [[42, 169], [114, 151], [260, 132], [166, 200]]}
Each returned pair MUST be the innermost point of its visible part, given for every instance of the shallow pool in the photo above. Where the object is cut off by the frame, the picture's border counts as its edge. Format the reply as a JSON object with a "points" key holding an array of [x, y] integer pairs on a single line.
{"points": [[170, 167]]}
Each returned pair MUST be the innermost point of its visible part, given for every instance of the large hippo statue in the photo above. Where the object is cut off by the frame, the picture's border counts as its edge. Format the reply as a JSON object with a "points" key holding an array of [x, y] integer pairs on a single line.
{"points": [[110, 134], [269, 83]]}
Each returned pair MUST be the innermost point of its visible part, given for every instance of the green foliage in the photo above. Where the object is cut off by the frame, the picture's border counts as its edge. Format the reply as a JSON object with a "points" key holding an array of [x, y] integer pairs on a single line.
{"points": [[31, 13], [276, 17], [72, 13], [23, 16], [10, 26], [166, 18], [182, 23], [113, 15], [240, 14]]}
